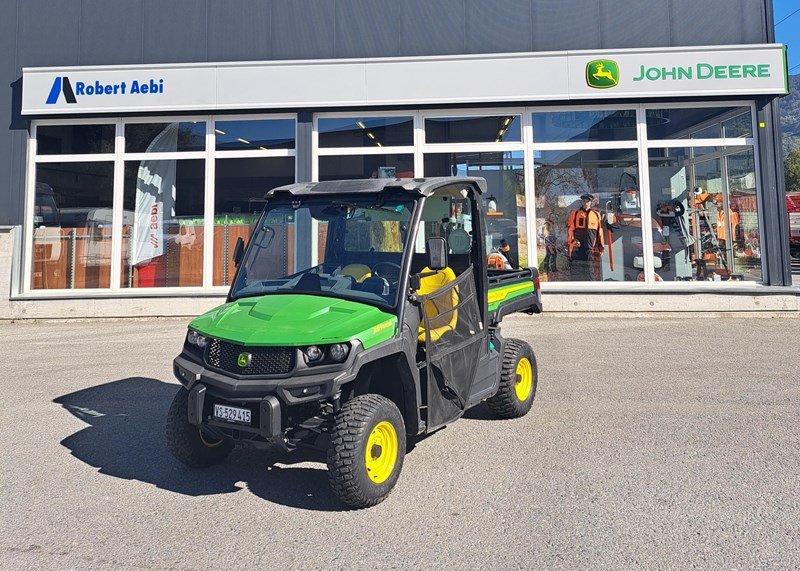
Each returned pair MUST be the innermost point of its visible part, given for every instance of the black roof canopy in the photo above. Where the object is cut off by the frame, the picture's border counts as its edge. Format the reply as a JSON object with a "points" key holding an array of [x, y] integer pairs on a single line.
{"points": [[422, 186]]}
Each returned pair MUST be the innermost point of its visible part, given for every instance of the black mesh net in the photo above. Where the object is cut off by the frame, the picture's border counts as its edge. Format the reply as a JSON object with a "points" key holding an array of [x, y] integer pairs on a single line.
{"points": [[451, 317]]}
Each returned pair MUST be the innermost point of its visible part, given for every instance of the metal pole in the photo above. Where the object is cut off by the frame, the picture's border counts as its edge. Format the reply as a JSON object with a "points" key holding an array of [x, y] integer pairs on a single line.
{"points": [[225, 255], [130, 252], [72, 244]]}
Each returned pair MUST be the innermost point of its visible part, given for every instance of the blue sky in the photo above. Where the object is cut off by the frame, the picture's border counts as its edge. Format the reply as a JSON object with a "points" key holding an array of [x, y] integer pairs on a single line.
{"points": [[788, 31]]}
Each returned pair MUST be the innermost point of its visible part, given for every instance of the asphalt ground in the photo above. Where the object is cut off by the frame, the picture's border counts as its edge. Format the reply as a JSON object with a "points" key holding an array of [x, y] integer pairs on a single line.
{"points": [[653, 443]]}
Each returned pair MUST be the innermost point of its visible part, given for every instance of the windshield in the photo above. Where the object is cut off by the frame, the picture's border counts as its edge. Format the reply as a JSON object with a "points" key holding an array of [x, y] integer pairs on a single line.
{"points": [[346, 246]]}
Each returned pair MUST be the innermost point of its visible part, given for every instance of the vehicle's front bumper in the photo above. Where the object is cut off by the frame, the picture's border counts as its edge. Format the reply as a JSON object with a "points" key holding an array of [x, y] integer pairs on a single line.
{"points": [[266, 413], [267, 399]]}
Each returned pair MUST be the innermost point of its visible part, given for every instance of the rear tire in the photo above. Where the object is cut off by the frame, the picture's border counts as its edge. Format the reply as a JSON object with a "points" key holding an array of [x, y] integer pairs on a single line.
{"points": [[186, 441], [366, 452], [518, 380]]}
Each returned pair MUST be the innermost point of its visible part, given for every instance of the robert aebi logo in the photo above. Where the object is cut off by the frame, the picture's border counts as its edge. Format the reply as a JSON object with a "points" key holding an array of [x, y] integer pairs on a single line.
{"points": [[602, 73], [63, 85]]}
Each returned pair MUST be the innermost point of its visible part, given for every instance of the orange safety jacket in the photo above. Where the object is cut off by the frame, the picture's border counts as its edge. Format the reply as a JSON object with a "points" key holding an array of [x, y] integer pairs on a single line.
{"points": [[586, 227], [722, 228]]}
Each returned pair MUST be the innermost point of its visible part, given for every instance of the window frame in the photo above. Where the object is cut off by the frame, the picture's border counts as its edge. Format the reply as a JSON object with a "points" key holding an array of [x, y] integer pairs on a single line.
{"points": [[528, 146]]}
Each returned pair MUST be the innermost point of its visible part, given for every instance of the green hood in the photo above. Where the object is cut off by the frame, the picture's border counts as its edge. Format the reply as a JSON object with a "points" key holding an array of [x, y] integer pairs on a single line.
{"points": [[289, 319]]}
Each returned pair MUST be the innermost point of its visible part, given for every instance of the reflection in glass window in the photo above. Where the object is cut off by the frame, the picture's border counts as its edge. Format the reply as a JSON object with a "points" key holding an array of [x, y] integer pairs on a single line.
{"points": [[255, 135], [505, 197], [165, 137], [366, 131], [696, 123], [496, 129], [739, 126], [589, 218], [710, 220], [366, 166], [74, 139], [162, 225], [238, 202], [72, 225], [581, 126]]}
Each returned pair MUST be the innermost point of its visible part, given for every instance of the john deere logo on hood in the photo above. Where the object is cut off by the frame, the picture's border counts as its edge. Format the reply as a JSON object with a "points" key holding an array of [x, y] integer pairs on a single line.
{"points": [[244, 359], [602, 73]]}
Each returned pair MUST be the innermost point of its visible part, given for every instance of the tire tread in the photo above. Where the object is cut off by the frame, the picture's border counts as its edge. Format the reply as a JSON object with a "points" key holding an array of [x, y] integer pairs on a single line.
{"points": [[505, 403], [348, 432]]}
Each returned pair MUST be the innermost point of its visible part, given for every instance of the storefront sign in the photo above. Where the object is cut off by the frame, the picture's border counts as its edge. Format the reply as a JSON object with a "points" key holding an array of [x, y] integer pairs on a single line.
{"points": [[493, 78]]}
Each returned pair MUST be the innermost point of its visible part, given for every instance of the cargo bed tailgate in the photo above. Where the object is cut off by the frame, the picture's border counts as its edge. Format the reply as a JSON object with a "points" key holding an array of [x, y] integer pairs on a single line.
{"points": [[512, 291]]}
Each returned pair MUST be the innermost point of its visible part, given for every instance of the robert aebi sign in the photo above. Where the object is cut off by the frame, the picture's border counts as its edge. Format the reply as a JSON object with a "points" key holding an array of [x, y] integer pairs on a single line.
{"points": [[63, 85]]}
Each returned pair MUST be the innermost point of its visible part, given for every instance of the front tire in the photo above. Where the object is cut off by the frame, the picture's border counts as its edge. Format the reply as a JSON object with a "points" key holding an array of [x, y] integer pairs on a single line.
{"points": [[366, 452], [187, 442], [518, 380]]}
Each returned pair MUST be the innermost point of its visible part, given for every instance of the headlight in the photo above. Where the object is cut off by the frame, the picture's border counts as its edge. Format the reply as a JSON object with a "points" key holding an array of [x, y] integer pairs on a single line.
{"points": [[313, 353], [338, 352], [194, 338]]}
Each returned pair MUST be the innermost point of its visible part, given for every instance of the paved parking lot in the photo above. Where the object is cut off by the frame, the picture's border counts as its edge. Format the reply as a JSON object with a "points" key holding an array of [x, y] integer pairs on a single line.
{"points": [[653, 443]]}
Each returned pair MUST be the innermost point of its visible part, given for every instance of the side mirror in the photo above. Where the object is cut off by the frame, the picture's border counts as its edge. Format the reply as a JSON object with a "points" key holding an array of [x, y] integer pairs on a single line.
{"points": [[238, 251], [436, 249]]}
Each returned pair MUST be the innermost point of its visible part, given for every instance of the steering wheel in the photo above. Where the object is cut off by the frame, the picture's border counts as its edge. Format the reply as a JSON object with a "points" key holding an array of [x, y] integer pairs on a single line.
{"points": [[392, 278]]}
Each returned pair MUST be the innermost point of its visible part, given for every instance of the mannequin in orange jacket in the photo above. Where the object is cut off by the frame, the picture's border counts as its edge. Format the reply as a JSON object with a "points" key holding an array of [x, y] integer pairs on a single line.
{"points": [[585, 240]]}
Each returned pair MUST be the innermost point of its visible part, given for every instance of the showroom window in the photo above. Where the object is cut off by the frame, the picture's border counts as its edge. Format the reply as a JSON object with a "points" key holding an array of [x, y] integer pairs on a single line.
{"points": [[355, 146], [698, 122], [587, 185], [163, 233], [360, 146], [72, 200], [703, 195], [495, 128], [361, 131], [504, 200], [488, 146], [163, 214], [150, 203], [239, 199], [165, 137], [72, 225], [637, 194], [584, 126], [588, 215], [253, 156]]}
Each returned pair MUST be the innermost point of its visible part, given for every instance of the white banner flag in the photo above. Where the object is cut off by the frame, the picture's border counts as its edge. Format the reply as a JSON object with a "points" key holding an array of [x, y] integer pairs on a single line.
{"points": [[155, 198]]}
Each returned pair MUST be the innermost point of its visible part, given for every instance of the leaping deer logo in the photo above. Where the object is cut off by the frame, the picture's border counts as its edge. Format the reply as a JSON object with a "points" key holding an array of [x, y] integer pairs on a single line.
{"points": [[602, 73]]}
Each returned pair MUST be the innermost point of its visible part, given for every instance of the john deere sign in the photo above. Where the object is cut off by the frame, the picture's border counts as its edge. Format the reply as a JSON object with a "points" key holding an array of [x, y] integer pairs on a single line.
{"points": [[602, 73], [704, 71], [742, 70]]}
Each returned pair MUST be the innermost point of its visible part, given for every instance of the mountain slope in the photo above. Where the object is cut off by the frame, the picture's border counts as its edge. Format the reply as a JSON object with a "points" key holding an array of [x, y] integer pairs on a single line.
{"points": [[790, 115]]}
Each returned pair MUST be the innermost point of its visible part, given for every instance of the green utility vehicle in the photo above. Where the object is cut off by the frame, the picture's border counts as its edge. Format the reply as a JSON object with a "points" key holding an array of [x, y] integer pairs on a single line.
{"points": [[384, 324]]}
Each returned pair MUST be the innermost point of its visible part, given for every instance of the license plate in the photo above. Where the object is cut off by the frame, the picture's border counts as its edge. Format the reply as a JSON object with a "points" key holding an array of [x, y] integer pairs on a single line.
{"points": [[232, 414]]}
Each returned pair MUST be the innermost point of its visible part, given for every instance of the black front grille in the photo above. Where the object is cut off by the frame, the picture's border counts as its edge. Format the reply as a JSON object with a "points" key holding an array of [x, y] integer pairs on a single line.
{"points": [[263, 361]]}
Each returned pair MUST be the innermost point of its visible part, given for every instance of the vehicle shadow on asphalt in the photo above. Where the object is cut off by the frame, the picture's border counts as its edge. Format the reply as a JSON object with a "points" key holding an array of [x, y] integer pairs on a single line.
{"points": [[125, 439], [479, 412]]}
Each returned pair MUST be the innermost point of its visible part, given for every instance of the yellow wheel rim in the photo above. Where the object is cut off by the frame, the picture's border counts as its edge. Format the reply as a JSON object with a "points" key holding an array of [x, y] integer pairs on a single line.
{"points": [[208, 443], [524, 382], [381, 453]]}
